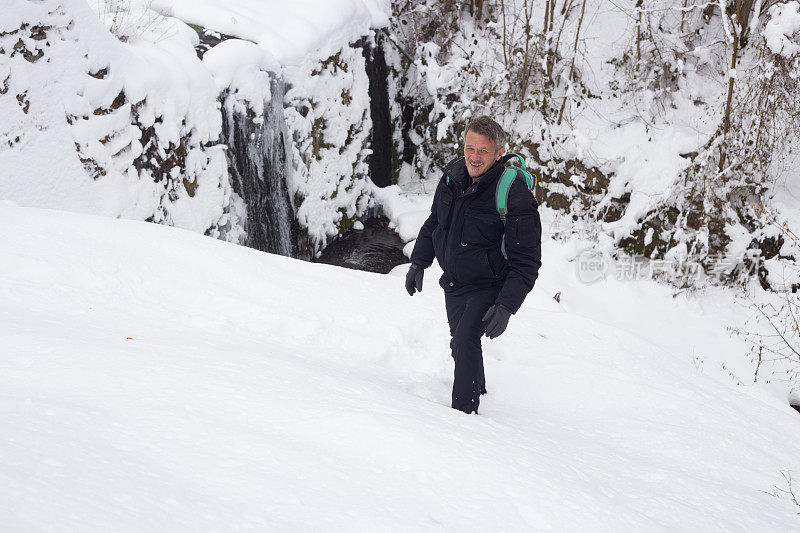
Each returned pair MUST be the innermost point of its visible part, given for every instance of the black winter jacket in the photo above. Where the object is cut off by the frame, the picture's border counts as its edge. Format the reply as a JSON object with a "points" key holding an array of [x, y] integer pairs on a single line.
{"points": [[465, 234]]}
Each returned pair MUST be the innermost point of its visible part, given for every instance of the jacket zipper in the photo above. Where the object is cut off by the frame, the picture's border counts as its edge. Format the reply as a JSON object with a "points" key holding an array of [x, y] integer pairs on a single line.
{"points": [[450, 262]]}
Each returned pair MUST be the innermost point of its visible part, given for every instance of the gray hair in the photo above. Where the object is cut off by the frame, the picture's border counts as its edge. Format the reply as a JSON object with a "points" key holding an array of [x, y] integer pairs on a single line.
{"points": [[486, 126]]}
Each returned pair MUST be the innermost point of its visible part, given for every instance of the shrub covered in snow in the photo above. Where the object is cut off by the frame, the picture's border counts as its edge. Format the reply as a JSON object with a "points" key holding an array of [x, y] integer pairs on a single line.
{"points": [[328, 115], [720, 215], [127, 129]]}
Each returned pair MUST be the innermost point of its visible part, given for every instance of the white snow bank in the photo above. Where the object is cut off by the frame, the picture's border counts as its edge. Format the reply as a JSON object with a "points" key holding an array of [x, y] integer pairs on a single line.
{"points": [[406, 212], [783, 24], [155, 379], [241, 67], [290, 31]]}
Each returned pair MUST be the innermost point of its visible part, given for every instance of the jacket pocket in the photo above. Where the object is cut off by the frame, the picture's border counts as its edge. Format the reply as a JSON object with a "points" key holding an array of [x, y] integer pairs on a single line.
{"points": [[444, 207], [497, 263], [524, 230], [480, 228], [472, 265], [438, 238]]}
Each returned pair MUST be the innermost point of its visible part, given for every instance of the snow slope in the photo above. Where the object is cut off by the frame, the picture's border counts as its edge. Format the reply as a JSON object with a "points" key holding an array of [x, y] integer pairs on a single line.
{"points": [[155, 379]]}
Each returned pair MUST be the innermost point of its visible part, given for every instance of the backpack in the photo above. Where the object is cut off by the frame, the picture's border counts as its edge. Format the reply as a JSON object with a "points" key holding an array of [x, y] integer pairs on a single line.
{"points": [[510, 174]]}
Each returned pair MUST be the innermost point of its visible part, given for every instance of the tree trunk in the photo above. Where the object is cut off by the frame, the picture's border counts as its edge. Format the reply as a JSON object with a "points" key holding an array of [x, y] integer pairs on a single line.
{"points": [[572, 64], [546, 16], [683, 15], [639, 5], [739, 18], [476, 9]]}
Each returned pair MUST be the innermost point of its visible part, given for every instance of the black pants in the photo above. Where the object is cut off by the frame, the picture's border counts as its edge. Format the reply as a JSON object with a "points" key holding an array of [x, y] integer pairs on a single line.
{"points": [[465, 309]]}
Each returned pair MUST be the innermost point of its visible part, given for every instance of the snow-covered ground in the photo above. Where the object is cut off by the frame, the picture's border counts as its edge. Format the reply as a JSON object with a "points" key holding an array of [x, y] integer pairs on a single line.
{"points": [[155, 379]]}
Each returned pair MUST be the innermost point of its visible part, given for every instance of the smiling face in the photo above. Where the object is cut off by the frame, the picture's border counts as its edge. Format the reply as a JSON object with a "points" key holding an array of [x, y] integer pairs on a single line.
{"points": [[479, 153]]}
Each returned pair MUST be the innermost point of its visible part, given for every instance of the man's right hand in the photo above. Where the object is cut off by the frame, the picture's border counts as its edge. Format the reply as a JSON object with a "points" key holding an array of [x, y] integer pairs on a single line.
{"points": [[414, 279]]}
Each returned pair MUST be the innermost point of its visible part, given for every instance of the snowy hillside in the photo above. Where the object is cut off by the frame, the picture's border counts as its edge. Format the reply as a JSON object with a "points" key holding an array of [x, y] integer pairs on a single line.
{"points": [[155, 379], [107, 109]]}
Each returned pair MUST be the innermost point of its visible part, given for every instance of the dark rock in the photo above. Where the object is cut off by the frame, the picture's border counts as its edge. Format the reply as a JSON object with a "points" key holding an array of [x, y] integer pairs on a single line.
{"points": [[376, 248], [208, 39], [380, 161]]}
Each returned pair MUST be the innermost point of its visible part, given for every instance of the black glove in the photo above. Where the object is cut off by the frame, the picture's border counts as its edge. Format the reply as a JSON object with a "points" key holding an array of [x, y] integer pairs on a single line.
{"points": [[496, 319], [414, 279]]}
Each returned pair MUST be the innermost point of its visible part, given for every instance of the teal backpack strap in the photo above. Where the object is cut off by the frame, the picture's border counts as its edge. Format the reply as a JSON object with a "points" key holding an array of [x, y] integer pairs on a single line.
{"points": [[501, 194], [510, 174], [521, 160]]}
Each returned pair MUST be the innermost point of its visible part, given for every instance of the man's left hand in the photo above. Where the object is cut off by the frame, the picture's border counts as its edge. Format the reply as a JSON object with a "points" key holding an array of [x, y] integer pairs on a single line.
{"points": [[496, 319]]}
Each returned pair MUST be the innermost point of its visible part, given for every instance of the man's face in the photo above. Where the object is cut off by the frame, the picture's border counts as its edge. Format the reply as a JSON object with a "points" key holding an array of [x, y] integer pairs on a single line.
{"points": [[479, 153]]}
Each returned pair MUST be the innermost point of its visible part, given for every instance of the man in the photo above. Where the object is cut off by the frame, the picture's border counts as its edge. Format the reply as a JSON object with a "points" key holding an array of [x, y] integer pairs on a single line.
{"points": [[489, 265]]}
